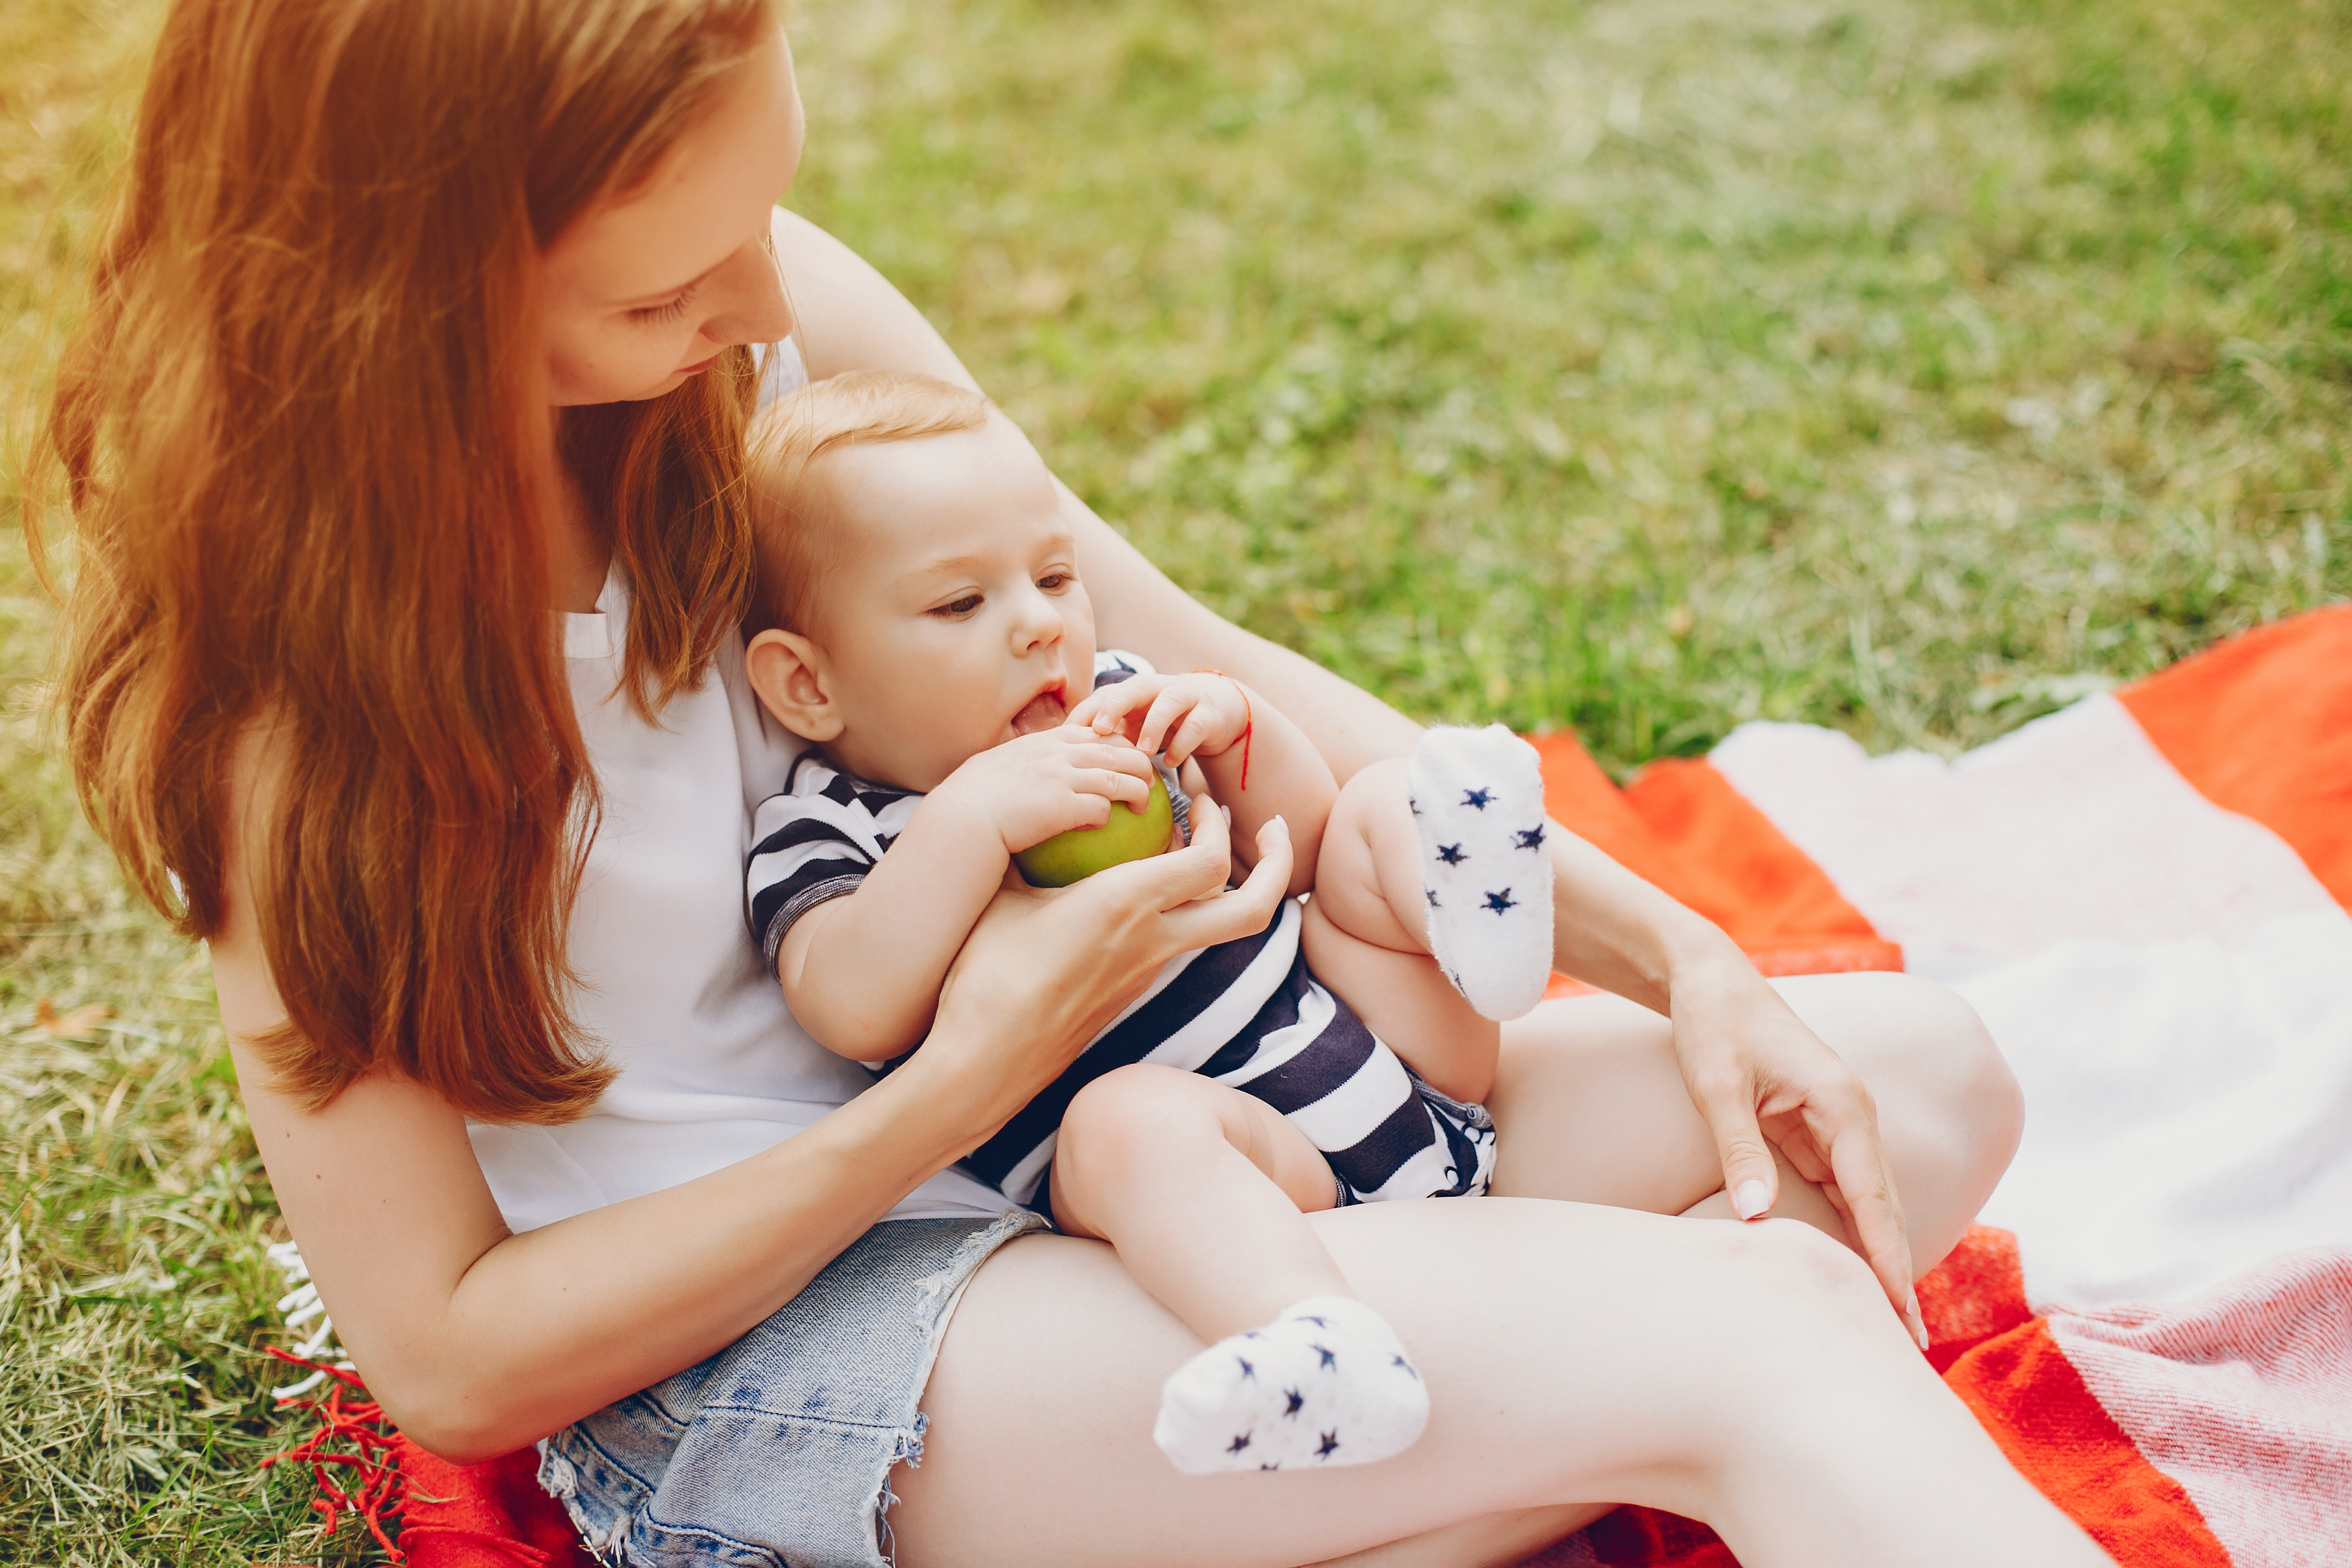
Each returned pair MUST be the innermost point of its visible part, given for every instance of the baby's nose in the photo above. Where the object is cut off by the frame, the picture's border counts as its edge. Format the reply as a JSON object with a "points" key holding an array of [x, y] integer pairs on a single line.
{"points": [[1039, 625]]}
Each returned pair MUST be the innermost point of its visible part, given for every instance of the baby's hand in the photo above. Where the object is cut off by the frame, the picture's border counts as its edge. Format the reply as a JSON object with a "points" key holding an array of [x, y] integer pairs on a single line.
{"points": [[1179, 714], [1034, 787]]}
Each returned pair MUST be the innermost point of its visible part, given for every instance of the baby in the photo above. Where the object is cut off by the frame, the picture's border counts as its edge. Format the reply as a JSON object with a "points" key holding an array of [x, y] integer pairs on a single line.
{"points": [[919, 618]]}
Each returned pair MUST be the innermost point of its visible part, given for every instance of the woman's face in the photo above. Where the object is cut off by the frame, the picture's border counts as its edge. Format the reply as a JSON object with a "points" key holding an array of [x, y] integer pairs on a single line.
{"points": [[646, 290]]}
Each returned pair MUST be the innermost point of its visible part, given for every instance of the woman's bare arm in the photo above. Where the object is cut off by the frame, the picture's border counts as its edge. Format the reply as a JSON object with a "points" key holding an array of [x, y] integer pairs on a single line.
{"points": [[479, 1342]]}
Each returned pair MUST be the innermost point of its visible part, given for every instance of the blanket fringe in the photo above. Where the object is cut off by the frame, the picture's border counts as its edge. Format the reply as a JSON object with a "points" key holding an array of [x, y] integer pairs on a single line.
{"points": [[352, 1441]]}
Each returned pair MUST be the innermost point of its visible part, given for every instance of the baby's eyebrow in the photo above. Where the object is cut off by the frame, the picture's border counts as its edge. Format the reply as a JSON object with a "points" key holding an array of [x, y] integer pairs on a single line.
{"points": [[969, 565], [946, 566]]}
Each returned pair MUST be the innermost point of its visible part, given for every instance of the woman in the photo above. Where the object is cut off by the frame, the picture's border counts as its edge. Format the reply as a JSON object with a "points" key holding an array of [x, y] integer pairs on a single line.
{"points": [[421, 319]]}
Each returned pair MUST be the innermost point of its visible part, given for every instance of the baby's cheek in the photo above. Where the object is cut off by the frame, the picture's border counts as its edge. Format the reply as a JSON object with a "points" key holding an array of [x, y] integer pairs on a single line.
{"points": [[945, 722]]}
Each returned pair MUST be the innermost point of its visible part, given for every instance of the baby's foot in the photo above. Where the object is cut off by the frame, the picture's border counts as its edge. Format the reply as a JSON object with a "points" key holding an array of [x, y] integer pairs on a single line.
{"points": [[1477, 803], [1326, 1382]]}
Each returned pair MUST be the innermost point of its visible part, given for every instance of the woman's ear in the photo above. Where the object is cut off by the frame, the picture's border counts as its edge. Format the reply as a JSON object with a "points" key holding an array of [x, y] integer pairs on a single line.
{"points": [[788, 672]]}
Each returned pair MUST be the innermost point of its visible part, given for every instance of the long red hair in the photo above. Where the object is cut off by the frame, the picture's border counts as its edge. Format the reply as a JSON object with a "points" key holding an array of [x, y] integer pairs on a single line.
{"points": [[302, 432]]}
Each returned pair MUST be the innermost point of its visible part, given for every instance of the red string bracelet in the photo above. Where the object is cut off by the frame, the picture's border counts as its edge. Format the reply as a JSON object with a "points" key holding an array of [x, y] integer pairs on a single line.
{"points": [[1249, 718]]}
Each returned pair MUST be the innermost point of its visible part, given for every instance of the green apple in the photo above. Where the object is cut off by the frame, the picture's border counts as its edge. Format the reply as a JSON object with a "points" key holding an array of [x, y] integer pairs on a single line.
{"points": [[1129, 835]]}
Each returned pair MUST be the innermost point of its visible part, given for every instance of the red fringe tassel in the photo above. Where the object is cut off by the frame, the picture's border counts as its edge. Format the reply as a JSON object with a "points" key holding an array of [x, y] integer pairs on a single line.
{"points": [[352, 1440]]}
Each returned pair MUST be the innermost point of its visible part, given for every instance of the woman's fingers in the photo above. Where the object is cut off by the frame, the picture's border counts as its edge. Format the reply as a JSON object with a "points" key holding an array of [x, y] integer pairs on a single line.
{"points": [[1761, 1080], [1872, 1210], [1245, 911], [1727, 1101], [1196, 870]]}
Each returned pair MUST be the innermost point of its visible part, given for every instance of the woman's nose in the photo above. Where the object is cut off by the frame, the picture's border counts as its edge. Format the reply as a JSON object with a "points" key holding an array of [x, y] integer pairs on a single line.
{"points": [[747, 298]]}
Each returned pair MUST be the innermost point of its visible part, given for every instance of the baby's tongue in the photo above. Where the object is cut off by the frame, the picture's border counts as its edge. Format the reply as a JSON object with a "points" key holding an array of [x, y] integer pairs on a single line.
{"points": [[1045, 712]]}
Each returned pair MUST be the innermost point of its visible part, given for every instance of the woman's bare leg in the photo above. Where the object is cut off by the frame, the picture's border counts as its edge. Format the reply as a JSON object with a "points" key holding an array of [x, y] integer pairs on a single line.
{"points": [[1590, 1105], [1750, 1376]]}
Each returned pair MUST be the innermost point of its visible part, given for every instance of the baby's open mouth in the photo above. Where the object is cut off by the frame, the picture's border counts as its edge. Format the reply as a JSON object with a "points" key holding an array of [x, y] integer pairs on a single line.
{"points": [[1044, 712]]}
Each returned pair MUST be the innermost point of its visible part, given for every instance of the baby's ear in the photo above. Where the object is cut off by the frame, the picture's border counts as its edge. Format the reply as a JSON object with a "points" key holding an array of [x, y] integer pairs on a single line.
{"points": [[788, 673]]}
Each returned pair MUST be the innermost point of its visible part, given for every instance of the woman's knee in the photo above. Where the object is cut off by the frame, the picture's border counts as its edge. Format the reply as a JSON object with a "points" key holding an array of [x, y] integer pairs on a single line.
{"points": [[1927, 1057], [1784, 1283]]}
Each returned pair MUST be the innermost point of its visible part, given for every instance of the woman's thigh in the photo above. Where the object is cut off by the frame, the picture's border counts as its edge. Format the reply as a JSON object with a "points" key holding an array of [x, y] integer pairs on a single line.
{"points": [[1589, 1104], [1575, 1355]]}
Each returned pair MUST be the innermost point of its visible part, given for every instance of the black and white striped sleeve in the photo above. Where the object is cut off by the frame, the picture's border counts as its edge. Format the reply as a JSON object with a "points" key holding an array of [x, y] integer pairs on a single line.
{"points": [[813, 842]]}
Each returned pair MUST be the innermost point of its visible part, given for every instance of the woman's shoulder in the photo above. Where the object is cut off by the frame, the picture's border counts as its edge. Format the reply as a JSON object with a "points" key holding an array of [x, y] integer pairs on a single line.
{"points": [[866, 324]]}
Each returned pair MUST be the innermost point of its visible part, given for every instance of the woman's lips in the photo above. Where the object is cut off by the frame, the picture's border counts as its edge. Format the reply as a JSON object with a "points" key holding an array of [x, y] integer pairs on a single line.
{"points": [[699, 369], [1043, 712]]}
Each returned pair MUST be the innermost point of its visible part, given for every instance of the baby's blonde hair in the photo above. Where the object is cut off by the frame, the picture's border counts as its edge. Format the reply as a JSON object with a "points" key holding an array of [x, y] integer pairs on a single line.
{"points": [[799, 542]]}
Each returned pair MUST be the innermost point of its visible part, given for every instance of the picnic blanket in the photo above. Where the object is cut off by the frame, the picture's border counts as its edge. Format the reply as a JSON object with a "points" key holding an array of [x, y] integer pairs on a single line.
{"points": [[2146, 895]]}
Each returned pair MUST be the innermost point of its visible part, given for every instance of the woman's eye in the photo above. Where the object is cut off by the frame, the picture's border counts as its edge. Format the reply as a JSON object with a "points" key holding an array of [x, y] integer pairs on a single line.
{"points": [[962, 606], [669, 311]]}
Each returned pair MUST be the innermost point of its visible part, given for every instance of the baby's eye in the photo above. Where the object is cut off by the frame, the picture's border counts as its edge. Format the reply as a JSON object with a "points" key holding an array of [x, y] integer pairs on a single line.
{"points": [[962, 606], [1053, 581]]}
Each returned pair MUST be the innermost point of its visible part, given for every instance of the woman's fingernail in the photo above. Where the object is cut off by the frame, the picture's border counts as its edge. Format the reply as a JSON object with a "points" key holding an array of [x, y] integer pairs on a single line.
{"points": [[1750, 1199]]}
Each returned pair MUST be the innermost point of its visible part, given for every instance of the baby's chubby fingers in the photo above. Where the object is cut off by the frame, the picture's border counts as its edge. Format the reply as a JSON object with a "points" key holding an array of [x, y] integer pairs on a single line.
{"points": [[1109, 708], [1110, 766], [1172, 717]]}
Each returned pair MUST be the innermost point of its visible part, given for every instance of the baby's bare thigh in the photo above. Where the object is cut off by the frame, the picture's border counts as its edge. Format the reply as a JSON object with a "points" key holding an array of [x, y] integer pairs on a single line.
{"points": [[1367, 873], [1145, 1125]]}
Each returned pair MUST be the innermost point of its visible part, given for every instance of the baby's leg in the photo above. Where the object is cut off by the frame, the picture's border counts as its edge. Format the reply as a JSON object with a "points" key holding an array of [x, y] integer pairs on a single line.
{"points": [[1367, 938], [1203, 1190]]}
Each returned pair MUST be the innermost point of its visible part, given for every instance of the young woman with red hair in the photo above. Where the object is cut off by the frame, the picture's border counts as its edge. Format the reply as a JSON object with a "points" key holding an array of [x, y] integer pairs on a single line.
{"points": [[404, 437]]}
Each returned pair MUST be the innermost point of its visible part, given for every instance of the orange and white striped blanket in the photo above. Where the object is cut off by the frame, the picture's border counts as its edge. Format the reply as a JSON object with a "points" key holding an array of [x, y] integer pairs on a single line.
{"points": [[2145, 895]]}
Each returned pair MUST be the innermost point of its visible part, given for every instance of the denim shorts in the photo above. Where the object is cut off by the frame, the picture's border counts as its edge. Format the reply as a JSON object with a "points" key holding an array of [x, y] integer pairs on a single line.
{"points": [[776, 1452]]}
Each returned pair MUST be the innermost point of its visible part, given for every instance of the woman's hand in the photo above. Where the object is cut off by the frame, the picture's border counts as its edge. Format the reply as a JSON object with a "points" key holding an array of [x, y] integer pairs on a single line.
{"points": [[1762, 1079], [1045, 970]]}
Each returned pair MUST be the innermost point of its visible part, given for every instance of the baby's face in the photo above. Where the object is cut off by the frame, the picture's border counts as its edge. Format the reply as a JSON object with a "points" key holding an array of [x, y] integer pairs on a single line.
{"points": [[955, 620]]}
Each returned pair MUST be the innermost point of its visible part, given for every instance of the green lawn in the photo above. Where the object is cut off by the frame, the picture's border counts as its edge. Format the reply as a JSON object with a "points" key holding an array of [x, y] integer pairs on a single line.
{"points": [[1638, 368]]}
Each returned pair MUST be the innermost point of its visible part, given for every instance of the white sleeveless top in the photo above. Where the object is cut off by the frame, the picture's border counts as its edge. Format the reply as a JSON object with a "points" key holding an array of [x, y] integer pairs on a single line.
{"points": [[713, 1068]]}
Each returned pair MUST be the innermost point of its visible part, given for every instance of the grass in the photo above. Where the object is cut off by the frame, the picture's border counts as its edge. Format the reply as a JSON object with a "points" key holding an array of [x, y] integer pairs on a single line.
{"points": [[1638, 368], [1647, 368]]}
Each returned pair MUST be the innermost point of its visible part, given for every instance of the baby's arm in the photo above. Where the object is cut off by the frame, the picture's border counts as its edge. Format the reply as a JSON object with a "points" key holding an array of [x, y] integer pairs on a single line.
{"points": [[1259, 765], [862, 972]]}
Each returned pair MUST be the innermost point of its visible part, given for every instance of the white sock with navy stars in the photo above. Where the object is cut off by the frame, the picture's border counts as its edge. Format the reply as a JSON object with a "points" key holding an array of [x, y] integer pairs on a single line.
{"points": [[1478, 803], [1326, 1382]]}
